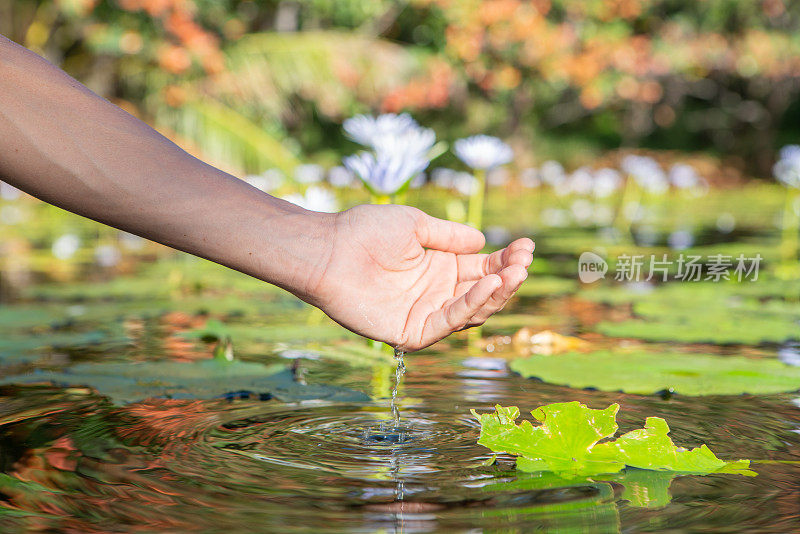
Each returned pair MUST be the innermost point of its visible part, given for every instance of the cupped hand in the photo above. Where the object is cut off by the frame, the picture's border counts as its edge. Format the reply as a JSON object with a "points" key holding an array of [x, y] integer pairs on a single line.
{"points": [[397, 275]]}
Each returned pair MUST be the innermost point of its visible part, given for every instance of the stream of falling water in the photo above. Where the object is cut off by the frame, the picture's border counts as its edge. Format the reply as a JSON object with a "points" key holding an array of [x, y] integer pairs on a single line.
{"points": [[398, 376]]}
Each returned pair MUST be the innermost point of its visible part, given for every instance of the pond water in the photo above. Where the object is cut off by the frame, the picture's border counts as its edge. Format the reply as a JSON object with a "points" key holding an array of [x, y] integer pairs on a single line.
{"points": [[71, 460], [317, 448]]}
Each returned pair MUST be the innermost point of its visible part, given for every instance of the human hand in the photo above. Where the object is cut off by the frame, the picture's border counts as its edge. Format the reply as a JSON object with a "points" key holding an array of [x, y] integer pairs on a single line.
{"points": [[400, 276]]}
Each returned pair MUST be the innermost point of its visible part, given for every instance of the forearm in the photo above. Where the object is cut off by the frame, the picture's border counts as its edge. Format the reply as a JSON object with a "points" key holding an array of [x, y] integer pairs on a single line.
{"points": [[69, 147]]}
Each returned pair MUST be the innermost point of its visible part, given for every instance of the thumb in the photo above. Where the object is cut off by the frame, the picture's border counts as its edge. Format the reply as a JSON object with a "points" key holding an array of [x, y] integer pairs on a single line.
{"points": [[447, 236]]}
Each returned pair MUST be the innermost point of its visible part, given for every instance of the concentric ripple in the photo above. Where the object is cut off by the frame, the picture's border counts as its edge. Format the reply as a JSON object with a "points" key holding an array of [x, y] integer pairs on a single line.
{"points": [[354, 442]]}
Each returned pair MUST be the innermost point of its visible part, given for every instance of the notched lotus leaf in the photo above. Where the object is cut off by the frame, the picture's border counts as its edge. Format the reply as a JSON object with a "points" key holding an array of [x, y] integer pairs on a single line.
{"points": [[569, 442], [562, 443]]}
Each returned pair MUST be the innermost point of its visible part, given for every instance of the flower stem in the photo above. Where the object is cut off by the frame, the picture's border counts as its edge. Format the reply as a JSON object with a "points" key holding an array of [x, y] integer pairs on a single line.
{"points": [[475, 219], [475, 210], [381, 199], [791, 226], [630, 196]]}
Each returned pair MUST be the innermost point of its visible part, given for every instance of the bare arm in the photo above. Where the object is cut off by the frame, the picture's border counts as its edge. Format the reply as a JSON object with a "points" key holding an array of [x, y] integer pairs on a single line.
{"points": [[67, 146], [409, 287]]}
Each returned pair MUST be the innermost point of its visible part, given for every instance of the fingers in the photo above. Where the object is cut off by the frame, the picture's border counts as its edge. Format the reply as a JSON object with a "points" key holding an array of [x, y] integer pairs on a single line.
{"points": [[447, 236], [512, 277], [458, 313], [472, 267]]}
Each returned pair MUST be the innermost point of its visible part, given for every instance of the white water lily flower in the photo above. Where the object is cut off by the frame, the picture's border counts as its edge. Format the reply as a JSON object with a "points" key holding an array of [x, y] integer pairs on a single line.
{"points": [[443, 177], [647, 173], [683, 176], [267, 181], [726, 223], [552, 173], [603, 214], [386, 172], [680, 239], [414, 142], [107, 255], [498, 236], [340, 177], [315, 199], [606, 181], [465, 183], [365, 129], [9, 192], [66, 246], [309, 173], [787, 168], [397, 159], [418, 181], [582, 210], [498, 177], [483, 152], [11, 215], [581, 181], [131, 241], [529, 178], [555, 218]]}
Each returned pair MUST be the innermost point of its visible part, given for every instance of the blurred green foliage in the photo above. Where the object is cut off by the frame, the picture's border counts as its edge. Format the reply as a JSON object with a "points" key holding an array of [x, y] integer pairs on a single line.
{"points": [[253, 84]]}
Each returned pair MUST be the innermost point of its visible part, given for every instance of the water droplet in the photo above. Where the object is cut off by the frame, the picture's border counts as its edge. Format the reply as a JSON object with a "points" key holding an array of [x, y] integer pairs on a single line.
{"points": [[398, 376]]}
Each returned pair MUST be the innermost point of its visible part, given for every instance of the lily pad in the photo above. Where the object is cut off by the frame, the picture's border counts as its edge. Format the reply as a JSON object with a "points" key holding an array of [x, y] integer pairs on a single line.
{"points": [[28, 347], [647, 373], [132, 382], [695, 313], [543, 286], [568, 441]]}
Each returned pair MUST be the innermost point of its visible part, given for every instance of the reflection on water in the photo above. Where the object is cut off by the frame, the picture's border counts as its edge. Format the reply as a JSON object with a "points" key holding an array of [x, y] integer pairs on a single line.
{"points": [[70, 460]]}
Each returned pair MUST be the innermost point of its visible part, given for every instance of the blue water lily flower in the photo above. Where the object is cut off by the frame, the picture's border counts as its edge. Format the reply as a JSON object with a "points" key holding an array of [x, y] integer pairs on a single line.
{"points": [[787, 168], [483, 152], [401, 151], [414, 142], [366, 129], [386, 172]]}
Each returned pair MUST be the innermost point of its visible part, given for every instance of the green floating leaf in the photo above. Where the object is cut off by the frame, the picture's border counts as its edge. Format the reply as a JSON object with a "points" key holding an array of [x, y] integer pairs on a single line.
{"points": [[646, 373], [730, 314], [712, 326], [543, 286], [568, 442], [133, 382]]}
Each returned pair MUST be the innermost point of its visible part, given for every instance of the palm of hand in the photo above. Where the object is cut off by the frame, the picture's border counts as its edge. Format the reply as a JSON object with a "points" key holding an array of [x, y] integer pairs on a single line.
{"points": [[397, 275]]}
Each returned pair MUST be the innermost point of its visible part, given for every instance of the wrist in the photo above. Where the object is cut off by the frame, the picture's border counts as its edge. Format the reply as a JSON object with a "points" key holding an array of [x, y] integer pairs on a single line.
{"points": [[257, 234], [298, 248]]}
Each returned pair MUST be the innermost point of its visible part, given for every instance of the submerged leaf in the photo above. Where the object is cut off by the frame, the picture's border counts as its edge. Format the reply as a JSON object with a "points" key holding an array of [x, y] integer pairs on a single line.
{"points": [[568, 442], [133, 382]]}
